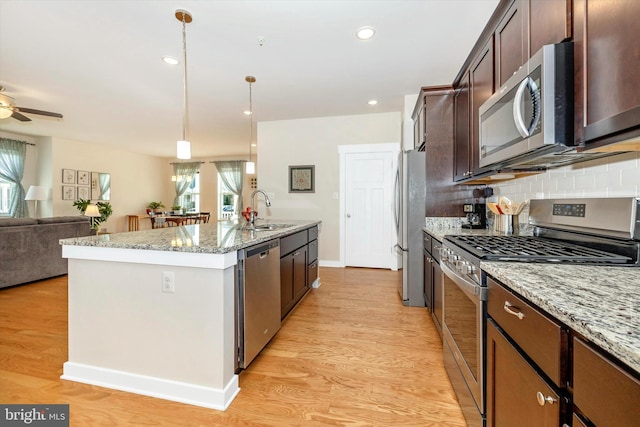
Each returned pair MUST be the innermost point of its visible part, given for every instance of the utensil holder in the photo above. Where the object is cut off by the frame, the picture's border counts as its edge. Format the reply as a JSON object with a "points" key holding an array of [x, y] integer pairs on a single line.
{"points": [[507, 224]]}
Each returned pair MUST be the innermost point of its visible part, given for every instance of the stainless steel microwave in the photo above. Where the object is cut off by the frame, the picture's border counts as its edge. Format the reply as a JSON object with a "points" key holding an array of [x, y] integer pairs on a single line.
{"points": [[531, 115]]}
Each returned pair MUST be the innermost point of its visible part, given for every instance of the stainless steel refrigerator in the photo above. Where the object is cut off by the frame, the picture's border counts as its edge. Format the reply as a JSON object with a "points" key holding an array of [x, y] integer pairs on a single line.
{"points": [[409, 211]]}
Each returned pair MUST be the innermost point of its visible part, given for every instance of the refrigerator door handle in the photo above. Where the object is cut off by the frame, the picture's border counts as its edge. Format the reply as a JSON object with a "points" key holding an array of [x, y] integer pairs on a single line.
{"points": [[396, 197]]}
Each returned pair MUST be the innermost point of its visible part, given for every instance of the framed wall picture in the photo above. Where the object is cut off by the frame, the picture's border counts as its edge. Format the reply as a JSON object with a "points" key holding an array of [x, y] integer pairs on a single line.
{"points": [[68, 192], [83, 178], [302, 179], [84, 193], [68, 176]]}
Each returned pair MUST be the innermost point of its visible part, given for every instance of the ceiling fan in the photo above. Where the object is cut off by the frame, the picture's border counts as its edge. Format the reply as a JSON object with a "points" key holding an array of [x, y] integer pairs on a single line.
{"points": [[9, 109]]}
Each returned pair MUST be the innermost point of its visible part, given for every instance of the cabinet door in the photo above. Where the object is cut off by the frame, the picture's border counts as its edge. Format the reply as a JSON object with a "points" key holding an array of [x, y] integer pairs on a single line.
{"points": [[481, 89], [299, 273], [511, 50], [428, 281], [606, 61], [438, 295], [513, 387], [549, 23], [286, 284], [462, 125]]}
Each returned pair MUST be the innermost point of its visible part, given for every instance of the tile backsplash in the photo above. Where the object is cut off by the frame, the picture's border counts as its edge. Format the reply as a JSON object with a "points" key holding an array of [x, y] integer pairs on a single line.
{"points": [[615, 176]]}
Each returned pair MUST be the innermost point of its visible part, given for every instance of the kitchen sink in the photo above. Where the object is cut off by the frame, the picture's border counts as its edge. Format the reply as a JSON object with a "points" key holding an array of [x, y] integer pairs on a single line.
{"points": [[268, 227]]}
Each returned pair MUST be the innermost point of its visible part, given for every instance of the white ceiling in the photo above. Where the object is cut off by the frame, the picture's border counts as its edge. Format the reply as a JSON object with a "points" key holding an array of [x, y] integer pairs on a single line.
{"points": [[99, 63]]}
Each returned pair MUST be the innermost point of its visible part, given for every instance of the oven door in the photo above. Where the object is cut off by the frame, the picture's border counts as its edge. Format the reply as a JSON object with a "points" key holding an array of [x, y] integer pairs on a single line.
{"points": [[464, 335]]}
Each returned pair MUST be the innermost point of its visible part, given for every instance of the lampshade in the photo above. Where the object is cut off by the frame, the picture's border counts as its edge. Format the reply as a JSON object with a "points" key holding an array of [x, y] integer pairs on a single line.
{"points": [[184, 150], [250, 167], [92, 211], [37, 192]]}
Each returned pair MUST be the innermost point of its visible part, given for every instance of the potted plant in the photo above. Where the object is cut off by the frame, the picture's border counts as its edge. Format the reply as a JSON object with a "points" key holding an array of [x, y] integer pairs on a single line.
{"points": [[156, 206], [177, 209], [104, 208]]}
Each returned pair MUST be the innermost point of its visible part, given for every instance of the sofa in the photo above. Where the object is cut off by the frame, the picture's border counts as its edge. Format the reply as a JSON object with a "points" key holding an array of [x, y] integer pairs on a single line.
{"points": [[30, 247]]}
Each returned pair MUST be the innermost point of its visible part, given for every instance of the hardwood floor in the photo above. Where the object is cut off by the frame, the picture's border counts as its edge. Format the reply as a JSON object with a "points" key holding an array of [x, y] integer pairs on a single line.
{"points": [[349, 355]]}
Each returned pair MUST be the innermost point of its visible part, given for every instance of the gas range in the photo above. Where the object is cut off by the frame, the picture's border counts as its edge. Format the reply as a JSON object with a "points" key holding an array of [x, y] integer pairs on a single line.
{"points": [[577, 231]]}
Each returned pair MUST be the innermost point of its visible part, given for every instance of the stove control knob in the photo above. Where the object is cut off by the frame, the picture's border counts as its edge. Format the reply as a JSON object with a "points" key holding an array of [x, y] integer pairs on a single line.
{"points": [[452, 257], [461, 266]]}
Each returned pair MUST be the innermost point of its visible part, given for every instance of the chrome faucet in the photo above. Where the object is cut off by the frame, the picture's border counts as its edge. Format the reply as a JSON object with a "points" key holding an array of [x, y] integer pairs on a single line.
{"points": [[252, 214]]}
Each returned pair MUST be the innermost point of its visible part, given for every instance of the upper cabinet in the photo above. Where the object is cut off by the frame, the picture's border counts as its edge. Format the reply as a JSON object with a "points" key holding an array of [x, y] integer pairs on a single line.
{"points": [[419, 125], [511, 43], [549, 22], [463, 148], [606, 62]]}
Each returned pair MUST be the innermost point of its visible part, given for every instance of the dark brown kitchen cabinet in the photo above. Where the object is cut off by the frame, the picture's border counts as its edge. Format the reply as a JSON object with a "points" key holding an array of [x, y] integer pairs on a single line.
{"points": [[481, 88], [606, 62], [433, 281], [517, 395], [312, 256], [463, 150], [293, 270], [476, 91], [549, 22], [603, 392], [510, 44]]}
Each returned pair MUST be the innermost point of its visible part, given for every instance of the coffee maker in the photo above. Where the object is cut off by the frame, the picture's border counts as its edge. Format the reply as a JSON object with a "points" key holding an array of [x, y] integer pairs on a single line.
{"points": [[476, 215]]}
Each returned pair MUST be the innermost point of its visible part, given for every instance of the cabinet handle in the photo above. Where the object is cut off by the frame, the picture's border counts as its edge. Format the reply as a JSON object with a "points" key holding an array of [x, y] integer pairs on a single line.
{"points": [[507, 307], [542, 400], [296, 254]]}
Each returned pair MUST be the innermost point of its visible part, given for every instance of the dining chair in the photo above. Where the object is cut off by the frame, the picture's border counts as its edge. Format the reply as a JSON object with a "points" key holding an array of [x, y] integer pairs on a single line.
{"points": [[205, 217]]}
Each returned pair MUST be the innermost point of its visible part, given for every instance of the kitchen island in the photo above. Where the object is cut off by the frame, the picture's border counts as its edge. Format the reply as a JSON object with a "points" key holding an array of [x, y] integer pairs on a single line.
{"points": [[153, 312]]}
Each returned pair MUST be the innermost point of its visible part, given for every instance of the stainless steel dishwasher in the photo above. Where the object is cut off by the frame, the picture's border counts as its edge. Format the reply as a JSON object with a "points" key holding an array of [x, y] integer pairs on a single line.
{"points": [[257, 299]]}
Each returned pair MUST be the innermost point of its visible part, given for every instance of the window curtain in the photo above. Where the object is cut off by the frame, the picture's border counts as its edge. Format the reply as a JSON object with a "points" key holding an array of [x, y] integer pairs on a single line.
{"points": [[12, 155], [232, 176], [184, 173]]}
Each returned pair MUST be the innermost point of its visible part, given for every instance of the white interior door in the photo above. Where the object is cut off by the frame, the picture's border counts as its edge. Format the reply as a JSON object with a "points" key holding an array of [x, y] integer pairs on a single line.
{"points": [[369, 209]]}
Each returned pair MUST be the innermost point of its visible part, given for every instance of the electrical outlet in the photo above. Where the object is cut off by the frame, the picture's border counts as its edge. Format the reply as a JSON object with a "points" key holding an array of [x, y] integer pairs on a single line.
{"points": [[168, 282]]}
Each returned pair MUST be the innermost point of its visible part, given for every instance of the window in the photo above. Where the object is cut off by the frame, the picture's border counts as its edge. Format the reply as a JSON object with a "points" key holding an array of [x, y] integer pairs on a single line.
{"points": [[5, 192], [190, 200], [226, 201]]}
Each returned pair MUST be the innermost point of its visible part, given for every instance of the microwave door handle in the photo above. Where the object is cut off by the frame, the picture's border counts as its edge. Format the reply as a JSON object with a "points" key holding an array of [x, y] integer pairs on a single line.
{"points": [[517, 109]]}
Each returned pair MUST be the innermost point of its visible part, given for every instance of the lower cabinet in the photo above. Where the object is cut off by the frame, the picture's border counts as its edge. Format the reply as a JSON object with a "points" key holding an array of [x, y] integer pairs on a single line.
{"points": [[516, 394], [433, 281], [298, 267], [603, 393]]}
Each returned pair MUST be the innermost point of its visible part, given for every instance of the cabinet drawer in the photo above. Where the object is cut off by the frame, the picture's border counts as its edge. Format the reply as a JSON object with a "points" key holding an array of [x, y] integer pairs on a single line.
{"points": [[292, 242], [313, 251], [605, 394], [312, 233], [312, 273], [539, 337]]}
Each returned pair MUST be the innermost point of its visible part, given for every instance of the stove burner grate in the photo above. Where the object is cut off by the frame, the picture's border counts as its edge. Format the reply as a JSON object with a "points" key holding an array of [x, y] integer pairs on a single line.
{"points": [[535, 249]]}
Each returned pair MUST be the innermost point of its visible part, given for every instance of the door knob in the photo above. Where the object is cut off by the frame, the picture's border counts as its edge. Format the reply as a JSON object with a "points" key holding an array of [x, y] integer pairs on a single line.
{"points": [[348, 215]]}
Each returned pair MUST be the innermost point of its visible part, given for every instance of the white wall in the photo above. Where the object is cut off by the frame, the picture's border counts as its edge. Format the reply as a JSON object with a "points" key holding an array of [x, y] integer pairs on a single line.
{"points": [[136, 179], [315, 141]]}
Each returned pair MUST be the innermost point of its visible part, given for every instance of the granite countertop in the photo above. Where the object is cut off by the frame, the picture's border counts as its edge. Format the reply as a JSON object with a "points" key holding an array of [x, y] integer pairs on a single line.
{"points": [[601, 303], [213, 238]]}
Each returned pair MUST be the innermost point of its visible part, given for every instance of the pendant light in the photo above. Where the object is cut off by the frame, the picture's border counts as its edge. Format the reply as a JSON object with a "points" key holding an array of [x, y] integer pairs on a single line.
{"points": [[183, 146], [251, 166]]}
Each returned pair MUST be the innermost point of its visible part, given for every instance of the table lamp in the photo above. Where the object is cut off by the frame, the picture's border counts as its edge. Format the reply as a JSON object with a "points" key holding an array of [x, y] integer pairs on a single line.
{"points": [[37, 192], [93, 212]]}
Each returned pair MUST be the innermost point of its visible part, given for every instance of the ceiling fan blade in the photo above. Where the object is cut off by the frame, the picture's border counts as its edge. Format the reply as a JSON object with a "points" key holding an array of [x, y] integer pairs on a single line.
{"points": [[40, 112], [20, 117]]}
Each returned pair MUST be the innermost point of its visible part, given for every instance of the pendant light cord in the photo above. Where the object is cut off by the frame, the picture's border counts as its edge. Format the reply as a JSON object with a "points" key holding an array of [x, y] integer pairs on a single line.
{"points": [[250, 120], [184, 80]]}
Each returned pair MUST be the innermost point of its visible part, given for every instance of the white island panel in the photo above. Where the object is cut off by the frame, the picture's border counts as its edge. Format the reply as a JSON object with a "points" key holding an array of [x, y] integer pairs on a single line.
{"points": [[125, 333]]}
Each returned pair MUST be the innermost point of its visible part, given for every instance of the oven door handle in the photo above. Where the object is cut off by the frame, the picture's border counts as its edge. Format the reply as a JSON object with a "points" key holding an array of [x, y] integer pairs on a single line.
{"points": [[467, 286]]}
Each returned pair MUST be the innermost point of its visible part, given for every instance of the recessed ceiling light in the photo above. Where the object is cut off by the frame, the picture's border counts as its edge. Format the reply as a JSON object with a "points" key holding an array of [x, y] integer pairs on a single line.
{"points": [[372, 102], [170, 60], [365, 33]]}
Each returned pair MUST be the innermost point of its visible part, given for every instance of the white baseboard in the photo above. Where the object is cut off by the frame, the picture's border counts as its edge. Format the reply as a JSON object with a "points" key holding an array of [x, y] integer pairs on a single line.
{"points": [[336, 264], [192, 394]]}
